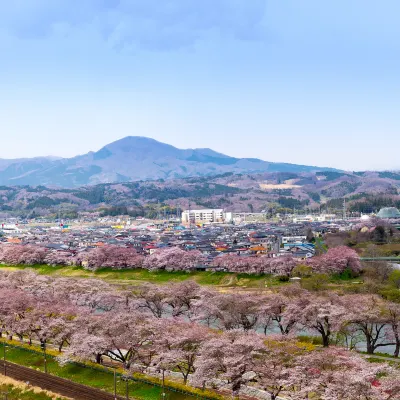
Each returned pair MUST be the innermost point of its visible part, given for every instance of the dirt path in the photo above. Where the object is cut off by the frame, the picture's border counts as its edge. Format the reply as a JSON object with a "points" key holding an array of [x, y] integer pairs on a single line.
{"points": [[55, 384]]}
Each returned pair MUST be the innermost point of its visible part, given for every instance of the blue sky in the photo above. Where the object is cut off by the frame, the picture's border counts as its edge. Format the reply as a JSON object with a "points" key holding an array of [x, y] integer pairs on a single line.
{"points": [[308, 81]]}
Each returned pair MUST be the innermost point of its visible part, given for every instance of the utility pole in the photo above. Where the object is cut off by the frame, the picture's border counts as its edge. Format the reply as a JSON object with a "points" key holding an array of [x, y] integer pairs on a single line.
{"points": [[190, 218], [344, 208], [115, 384]]}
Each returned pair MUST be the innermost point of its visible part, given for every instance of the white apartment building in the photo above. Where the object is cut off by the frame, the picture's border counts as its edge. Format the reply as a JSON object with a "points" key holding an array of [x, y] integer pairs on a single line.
{"points": [[203, 216]]}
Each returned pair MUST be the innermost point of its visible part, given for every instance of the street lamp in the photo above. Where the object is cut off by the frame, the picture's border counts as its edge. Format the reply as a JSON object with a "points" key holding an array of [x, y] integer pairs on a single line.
{"points": [[126, 379], [163, 384], [115, 383], [4, 358], [45, 357]]}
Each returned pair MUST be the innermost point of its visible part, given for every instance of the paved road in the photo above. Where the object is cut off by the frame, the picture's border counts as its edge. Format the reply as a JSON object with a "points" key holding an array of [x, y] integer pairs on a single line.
{"points": [[55, 384]]}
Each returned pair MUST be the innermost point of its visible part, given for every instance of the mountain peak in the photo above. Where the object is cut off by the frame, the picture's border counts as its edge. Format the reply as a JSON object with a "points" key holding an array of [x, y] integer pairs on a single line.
{"points": [[134, 158]]}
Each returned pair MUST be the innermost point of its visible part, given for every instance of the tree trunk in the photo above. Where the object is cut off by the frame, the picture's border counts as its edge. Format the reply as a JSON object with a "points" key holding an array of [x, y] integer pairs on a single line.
{"points": [[397, 350], [370, 347], [325, 340], [397, 340]]}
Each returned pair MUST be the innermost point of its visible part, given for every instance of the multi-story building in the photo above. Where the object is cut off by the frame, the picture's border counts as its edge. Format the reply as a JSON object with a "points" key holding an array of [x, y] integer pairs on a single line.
{"points": [[203, 216]]}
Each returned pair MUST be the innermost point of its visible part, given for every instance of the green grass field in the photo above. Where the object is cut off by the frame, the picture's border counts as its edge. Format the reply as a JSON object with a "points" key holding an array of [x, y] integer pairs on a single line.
{"points": [[222, 280], [137, 276], [15, 393]]}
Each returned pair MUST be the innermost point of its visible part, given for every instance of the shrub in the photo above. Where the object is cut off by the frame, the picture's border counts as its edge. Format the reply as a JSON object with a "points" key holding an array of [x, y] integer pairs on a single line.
{"points": [[302, 271], [316, 282]]}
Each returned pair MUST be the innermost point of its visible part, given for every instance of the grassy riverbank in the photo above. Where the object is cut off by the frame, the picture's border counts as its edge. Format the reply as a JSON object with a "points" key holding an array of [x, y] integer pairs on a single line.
{"points": [[137, 276], [222, 280]]}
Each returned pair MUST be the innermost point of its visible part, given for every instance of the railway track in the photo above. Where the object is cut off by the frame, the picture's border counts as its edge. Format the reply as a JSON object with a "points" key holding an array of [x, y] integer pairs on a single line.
{"points": [[55, 384]]}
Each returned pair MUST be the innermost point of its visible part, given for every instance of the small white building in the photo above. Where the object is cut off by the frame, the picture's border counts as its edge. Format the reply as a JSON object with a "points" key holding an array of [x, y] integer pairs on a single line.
{"points": [[293, 239]]}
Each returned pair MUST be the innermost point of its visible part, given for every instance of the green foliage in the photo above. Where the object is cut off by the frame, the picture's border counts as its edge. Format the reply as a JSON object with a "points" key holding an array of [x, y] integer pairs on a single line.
{"points": [[316, 340], [394, 278], [390, 175], [302, 271], [315, 196], [283, 278], [42, 202], [94, 194], [391, 294], [346, 275], [341, 189], [282, 192], [315, 282], [289, 202], [114, 211], [372, 202], [330, 175]]}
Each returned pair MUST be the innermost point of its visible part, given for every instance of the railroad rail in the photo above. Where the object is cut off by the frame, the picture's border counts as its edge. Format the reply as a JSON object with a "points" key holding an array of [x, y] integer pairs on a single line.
{"points": [[55, 384]]}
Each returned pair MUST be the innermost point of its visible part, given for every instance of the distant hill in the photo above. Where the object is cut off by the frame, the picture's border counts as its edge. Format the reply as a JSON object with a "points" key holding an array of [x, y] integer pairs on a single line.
{"points": [[134, 158], [273, 192]]}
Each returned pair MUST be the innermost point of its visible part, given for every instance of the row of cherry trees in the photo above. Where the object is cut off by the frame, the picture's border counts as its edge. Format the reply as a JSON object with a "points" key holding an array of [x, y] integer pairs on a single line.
{"points": [[336, 260], [207, 336], [349, 319]]}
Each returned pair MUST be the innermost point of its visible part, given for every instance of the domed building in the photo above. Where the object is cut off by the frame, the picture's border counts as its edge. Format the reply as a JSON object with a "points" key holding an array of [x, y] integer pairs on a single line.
{"points": [[388, 213]]}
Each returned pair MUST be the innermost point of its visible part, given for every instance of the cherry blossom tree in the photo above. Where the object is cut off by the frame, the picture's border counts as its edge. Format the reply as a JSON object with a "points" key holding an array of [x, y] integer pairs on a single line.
{"points": [[323, 314], [389, 385], [391, 313], [274, 366], [153, 298], [181, 297], [179, 346], [22, 254], [173, 259], [336, 374], [230, 311], [228, 357], [55, 258], [241, 264], [110, 256], [14, 304], [277, 309], [366, 314], [256, 264], [336, 260]]}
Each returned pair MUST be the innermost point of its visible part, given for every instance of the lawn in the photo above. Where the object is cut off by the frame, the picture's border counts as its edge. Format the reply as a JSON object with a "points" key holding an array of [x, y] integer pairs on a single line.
{"points": [[137, 276], [16, 393], [86, 375]]}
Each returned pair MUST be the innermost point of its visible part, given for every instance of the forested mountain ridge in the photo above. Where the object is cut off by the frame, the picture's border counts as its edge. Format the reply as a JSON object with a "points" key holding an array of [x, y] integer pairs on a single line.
{"points": [[272, 192]]}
